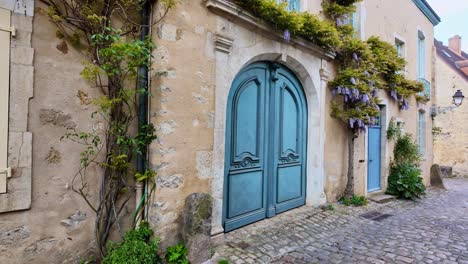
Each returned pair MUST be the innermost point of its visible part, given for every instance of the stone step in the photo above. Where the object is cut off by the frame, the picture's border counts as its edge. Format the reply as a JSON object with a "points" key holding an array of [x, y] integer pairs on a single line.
{"points": [[382, 198]]}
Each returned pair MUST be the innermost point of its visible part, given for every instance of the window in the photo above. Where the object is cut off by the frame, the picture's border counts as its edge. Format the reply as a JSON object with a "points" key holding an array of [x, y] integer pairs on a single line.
{"points": [[422, 132], [400, 47], [293, 5], [4, 95], [421, 55]]}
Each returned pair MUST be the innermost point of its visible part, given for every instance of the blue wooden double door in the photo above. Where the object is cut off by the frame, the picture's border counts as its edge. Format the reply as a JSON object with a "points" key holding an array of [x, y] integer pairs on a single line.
{"points": [[265, 145]]}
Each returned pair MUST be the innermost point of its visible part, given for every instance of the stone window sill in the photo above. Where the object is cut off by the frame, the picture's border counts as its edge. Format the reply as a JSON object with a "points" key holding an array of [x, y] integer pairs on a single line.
{"points": [[234, 13]]}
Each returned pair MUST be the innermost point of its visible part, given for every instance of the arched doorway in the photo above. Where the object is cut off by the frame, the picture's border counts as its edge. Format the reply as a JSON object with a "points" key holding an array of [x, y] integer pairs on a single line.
{"points": [[266, 141]]}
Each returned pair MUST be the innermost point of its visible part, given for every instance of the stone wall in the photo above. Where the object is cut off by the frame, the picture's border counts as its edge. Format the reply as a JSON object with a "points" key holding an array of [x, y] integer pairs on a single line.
{"points": [[48, 96], [450, 148]]}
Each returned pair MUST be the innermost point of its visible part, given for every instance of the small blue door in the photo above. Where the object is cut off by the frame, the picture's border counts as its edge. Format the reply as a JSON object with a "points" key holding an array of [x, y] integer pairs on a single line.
{"points": [[265, 145], [374, 160]]}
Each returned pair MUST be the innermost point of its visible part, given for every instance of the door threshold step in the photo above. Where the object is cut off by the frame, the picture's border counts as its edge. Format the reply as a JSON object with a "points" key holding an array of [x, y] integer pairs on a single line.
{"points": [[382, 198]]}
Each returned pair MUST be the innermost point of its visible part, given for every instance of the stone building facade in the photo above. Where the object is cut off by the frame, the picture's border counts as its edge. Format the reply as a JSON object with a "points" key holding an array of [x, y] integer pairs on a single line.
{"points": [[203, 47], [451, 74]]}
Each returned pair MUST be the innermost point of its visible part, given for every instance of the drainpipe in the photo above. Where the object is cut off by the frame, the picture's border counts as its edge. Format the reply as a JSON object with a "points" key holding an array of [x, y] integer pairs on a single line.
{"points": [[143, 115]]}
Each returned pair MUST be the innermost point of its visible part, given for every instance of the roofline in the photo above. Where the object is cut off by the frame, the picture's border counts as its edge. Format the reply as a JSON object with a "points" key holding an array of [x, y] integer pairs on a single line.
{"points": [[439, 50], [427, 10]]}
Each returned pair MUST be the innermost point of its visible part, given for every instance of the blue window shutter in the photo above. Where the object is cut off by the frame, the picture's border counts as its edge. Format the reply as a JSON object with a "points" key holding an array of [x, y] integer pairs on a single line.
{"points": [[421, 133], [293, 5], [421, 55]]}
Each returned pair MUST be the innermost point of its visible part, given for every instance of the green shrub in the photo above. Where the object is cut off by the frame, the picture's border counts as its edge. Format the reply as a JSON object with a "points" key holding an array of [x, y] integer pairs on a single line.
{"points": [[355, 200], [393, 131], [223, 261], [137, 248], [405, 181], [328, 207], [177, 254], [406, 151]]}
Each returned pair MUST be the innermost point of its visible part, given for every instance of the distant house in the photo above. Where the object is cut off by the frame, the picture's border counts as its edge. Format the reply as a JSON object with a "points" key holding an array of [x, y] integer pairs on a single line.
{"points": [[451, 74]]}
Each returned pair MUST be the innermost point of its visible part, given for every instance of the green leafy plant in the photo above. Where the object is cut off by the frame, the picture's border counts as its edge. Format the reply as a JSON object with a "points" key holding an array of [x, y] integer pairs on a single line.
{"points": [[393, 131], [405, 182], [300, 24], [436, 130], [223, 261], [177, 254], [328, 207], [137, 247], [355, 200], [114, 54], [406, 151]]}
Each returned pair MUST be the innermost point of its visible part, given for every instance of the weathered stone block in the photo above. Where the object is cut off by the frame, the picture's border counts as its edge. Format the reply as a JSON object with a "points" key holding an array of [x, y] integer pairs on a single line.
{"points": [[204, 164], [15, 140], [22, 55], [22, 23], [25, 159], [15, 235], [18, 196], [171, 181], [25, 7], [197, 227], [447, 171], [22, 78], [74, 219], [436, 178], [168, 32]]}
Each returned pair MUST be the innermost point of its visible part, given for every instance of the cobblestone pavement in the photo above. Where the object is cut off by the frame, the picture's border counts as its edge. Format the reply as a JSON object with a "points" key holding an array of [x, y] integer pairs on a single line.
{"points": [[433, 230]]}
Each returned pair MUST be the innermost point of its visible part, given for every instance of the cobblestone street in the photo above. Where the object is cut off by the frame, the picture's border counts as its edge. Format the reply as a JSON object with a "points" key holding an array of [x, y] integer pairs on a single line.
{"points": [[433, 230]]}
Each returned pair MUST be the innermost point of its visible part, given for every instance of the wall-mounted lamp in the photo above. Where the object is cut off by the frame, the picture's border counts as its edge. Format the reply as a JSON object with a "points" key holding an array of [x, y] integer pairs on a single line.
{"points": [[457, 101], [458, 98]]}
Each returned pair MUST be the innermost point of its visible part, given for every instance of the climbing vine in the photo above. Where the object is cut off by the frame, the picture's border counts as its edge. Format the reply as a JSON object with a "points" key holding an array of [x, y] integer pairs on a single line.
{"points": [[364, 66], [108, 35]]}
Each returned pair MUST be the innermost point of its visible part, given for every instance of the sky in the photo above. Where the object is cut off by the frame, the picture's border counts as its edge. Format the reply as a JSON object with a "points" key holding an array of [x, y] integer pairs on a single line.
{"points": [[454, 16]]}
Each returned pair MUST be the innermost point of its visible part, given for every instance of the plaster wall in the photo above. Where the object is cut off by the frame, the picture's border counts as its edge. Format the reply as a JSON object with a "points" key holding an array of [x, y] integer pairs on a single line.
{"points": [[450, 148], [48, 98]]}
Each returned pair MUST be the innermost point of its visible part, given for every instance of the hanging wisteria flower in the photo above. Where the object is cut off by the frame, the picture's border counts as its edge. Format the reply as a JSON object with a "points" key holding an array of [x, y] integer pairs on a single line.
{"points": [[355, 57], [351, 122], [405, 105], [353, 81], [367, 74], [400, 98], [287, 35], [365, 98], [394, 95], [375, 93], [355, 93], [339, 22], [371, 84], [361, 125]]}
